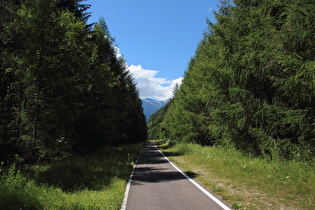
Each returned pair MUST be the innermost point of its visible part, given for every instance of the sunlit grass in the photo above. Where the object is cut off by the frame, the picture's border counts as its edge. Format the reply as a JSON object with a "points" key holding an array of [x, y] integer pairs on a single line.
{"points": [[95, 181], [243, 180]]}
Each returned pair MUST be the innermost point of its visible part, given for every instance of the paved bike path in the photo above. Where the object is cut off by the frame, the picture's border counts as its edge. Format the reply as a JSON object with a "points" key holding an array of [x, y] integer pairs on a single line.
{"points": [[157, 184]]}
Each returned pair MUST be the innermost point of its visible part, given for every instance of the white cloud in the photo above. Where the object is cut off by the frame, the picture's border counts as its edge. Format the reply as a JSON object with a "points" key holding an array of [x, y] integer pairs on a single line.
{"points": [[151, 86], [117, 51]]}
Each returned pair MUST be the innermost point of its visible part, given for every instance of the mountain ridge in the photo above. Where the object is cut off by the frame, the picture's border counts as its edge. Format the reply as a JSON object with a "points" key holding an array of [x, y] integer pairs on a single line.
{"points": [[150, 106]]}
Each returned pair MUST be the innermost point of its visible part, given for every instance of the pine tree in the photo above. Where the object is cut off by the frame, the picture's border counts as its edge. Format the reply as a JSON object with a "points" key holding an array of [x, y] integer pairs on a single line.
{"points": [[63, 87], [251, 81]]}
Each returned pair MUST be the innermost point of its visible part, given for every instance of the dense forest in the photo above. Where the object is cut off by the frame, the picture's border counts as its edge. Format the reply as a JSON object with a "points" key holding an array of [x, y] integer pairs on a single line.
{"points": [[251, 82], [63, 88]]}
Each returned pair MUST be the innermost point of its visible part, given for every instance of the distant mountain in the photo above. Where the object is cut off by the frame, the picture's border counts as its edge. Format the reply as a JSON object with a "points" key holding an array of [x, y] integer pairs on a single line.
{"points": [[150, 106]]}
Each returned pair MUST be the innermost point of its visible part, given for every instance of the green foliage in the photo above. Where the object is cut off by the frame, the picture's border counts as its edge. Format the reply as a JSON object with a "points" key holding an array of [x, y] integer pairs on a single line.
{"points": [[155, 123], [16, 191], [251, 82], [94, 181], [63, 89]]}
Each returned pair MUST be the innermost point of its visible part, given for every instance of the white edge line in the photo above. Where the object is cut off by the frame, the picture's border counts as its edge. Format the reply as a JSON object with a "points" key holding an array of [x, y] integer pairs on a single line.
{"points": [[123, 206], [196, 184]]}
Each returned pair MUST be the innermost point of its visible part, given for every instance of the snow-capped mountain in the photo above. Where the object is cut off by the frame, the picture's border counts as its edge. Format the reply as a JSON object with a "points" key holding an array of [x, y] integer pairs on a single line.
{"points": [[150, 106]]}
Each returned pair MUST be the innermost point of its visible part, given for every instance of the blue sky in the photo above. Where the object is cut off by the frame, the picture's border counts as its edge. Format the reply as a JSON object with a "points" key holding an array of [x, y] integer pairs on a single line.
{"points": [[156, 37]]}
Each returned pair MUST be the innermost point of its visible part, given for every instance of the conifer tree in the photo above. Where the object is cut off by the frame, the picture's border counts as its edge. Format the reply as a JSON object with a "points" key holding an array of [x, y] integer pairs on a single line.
{"points": [[63, 87], [251, 81]]}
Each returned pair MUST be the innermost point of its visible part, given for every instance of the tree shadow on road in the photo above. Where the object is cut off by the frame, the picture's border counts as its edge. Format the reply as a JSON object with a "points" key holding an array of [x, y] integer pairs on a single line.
{"points": [[155, 175], [191, 174]]}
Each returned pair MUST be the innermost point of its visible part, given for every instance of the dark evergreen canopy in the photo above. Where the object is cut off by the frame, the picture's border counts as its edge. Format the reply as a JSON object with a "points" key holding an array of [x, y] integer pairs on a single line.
{"points": [[63, 89], [251, 83]]}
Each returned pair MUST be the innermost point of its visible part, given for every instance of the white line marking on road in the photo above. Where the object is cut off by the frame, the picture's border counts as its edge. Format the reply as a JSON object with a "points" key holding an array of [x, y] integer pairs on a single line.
{"points": [[123, 206], [196, 184]]}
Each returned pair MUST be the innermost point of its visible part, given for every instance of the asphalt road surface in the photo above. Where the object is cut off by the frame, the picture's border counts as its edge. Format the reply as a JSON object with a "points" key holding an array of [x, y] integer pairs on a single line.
{"points": [[157, 184]]}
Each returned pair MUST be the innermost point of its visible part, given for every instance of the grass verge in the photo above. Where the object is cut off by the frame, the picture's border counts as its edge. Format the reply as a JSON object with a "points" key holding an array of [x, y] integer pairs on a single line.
{"points": [[247, 182], [95, 181]]}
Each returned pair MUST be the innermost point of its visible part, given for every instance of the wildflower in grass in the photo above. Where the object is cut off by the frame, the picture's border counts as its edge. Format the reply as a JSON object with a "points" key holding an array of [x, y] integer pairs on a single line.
{"points": [[287, 177]]}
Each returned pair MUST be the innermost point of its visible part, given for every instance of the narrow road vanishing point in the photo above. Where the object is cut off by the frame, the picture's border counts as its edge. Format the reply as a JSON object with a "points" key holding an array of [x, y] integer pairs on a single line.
{"points": [[156, 183]]}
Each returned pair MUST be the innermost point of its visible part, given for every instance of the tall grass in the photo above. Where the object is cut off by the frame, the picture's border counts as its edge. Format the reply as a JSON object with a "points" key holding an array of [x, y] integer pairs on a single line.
{"points": [[95, 181], [289, 180]]}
